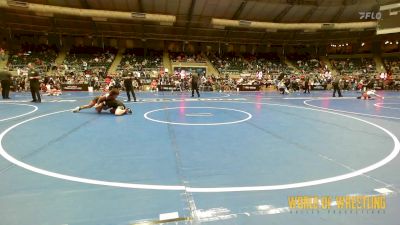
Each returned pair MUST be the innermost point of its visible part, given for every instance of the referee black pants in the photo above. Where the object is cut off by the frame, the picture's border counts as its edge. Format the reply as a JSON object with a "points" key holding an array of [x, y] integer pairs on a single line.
{"points": [[306, 88], [195, 87], [336, 88], [5, 89], [129, 90], [36, 94]]}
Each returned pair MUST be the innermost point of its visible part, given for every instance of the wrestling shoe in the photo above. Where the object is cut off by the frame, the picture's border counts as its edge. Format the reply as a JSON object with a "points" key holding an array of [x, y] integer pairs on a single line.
{"points": [[77, 109]]}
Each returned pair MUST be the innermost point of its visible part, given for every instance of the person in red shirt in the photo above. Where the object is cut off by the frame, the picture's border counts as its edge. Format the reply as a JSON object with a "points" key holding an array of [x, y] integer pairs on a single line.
{"points": [[108, 80]]}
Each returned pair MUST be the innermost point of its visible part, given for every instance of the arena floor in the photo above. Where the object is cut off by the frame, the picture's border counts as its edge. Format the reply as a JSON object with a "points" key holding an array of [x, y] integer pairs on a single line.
{"points": [[227, 158]]}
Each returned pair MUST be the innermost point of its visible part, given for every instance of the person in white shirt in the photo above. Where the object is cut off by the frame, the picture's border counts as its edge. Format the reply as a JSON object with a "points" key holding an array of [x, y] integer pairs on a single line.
{"points": [[183, 75], [383, 76], [84, 64], [203, 79], [260, 75]]}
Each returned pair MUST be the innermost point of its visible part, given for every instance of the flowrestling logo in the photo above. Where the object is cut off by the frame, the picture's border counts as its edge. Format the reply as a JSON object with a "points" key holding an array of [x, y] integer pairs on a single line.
{"points": [[370, 15]]}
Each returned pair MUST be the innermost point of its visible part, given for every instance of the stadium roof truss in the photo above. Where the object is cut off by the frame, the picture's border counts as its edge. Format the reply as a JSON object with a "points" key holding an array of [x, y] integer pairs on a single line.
{"points": [[253, 21]]}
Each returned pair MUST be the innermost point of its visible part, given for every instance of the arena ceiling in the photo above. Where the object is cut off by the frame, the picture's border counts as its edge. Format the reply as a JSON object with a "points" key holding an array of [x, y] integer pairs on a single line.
{"points": [[193, 19]]}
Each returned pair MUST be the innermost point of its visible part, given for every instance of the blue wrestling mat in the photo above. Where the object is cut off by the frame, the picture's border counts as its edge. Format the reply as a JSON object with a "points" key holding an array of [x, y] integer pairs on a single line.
{"points": [[226, 158]]}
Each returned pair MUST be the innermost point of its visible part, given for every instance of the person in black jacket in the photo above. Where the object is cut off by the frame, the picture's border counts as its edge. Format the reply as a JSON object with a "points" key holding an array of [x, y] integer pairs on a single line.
{"points": [[195, 84], [128, 78], [5, 77], [336, 86], [34, 77], [306, 85]]}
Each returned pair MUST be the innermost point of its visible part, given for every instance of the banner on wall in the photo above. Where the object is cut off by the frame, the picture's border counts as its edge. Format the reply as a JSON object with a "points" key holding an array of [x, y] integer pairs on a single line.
{"points": [[249, 87], [75, 87]]}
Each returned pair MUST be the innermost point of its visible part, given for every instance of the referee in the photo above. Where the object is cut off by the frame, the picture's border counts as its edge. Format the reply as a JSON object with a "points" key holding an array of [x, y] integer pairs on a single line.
{"points": [[306, 85], [336, 87], [128, 78], [195, 84], [34, 84], [5, 78]]}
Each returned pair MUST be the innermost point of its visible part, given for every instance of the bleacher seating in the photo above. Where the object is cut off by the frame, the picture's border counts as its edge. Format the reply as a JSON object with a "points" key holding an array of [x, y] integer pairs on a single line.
{"points": [[392, 64], [354, 66], [84, 58], [183, 57], [228, 63], [138, 60], [268, 63], [42, 55], [307, 63]]}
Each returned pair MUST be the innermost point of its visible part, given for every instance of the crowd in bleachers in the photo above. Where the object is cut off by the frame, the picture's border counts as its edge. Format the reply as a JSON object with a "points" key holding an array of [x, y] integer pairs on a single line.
{"points": [[260, 64], [307, 63], [228, 62], [89, 65], [42, 55], [184, 57], [137, 59], [267, 63], [83, 58], [392, 64], [85, 65], [354, 66]]}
